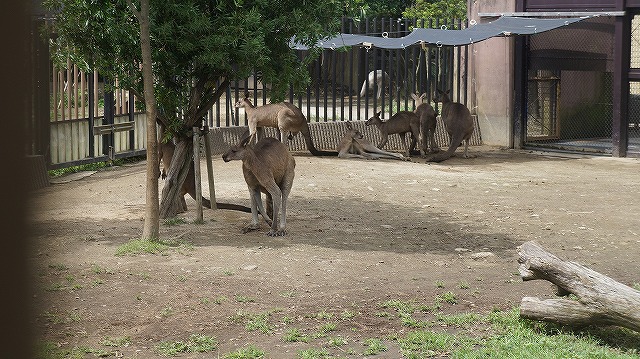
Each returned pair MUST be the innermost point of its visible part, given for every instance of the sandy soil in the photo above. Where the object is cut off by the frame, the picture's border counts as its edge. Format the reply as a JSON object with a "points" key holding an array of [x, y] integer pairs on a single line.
{"points": [[359, 233]]}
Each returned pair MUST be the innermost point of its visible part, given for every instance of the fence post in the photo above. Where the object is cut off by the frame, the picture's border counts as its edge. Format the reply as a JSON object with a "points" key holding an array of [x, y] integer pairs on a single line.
{"points": [[196, 168]]}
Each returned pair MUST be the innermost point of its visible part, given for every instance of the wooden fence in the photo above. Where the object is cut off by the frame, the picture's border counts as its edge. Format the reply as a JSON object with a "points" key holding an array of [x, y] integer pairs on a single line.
{"points": [[85, 123]]}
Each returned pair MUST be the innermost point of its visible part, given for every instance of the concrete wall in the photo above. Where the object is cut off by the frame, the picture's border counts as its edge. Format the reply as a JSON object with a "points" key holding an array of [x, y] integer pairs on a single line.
{"points": [[491, 77]]}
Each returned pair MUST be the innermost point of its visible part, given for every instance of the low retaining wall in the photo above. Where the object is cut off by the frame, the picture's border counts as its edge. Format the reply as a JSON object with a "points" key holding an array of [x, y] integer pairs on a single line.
{"points": [[327, 135]]}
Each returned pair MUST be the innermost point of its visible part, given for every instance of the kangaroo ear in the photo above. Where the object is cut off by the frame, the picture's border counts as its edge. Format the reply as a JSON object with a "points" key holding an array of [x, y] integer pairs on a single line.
{"points": [[423, 95], [378, 113], [414, 96], [246, 94]]}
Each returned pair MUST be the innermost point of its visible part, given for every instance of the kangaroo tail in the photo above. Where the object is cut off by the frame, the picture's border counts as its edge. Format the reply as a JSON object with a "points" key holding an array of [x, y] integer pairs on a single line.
{"points": [[455, 143], [306, 133], [233, 207]]}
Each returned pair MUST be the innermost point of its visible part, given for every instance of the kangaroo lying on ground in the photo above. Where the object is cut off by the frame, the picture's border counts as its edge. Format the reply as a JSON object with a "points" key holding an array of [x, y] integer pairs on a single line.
{"points": [[165, 154], [268, 168], [354, 145], [285, 117], [427, 116], [459, 124], [375, 76], [400, 123]]}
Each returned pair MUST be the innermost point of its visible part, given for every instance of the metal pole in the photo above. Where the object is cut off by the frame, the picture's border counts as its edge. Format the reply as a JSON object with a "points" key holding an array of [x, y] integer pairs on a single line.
{"points": [[196, 168]]}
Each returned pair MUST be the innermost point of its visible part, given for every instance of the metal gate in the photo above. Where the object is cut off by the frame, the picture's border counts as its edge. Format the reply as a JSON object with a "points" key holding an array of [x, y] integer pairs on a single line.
{"points": [[569, 90]]}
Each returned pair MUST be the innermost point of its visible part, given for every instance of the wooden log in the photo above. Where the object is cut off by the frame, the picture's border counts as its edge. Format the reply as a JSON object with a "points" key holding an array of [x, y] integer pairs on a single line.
{"points": [[600, 299]]}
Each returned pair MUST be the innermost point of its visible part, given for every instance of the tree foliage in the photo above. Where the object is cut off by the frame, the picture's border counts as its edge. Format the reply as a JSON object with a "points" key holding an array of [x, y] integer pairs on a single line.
{"points": [[374, 8], [197, 45], [438, 9]]}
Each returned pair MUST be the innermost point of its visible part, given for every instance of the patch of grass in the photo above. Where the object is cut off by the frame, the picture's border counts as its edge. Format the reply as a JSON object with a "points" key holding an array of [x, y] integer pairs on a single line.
{"points": [[166, 312], [244, 299], [175, 221], [248, 352], [448, 297], [228, 273], [96, 269], [636, 286], [87, 167], [374, 346], [347, 314], [59, 267], [337, 341], [140, 246], [322, 315], [400, 306], [463, 320], [439, 284], [425, 344], [253, 322], [195, 344], [313, 353], [49, 350], [116, 342], [221, 299], [463, 285], [295, 335]]}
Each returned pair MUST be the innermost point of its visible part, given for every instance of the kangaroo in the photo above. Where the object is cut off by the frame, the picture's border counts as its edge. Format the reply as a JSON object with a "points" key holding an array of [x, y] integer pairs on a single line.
{"points": [[354, 145], [400, 123], [459, 124], [427, 116], [165, 154], [375, 76], [285, 117], [268, 168]]}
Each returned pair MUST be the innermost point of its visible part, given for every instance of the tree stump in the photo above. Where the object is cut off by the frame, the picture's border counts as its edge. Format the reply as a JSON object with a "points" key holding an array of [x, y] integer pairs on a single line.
{"points": [[600, 299]]}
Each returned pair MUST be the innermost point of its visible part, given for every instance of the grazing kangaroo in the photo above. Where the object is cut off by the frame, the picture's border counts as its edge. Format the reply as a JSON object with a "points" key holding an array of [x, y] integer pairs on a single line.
{"points": [[375, 76], [427, 116], [268, 168], [459, 124], [165, 154], [285, 117], [400, 123], [354, 145]]}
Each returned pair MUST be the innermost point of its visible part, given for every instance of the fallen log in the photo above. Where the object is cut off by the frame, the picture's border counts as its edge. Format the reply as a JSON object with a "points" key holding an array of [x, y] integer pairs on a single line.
{"points": [[600, 299]]}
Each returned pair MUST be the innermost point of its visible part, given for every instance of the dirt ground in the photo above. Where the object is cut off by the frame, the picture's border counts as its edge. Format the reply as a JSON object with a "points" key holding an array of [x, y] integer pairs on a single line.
{"points": [[360, 233]]}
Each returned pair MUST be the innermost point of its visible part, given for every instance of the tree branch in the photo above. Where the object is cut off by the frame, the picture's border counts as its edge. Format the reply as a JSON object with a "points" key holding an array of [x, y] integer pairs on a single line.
{"points": [[135, 11]]}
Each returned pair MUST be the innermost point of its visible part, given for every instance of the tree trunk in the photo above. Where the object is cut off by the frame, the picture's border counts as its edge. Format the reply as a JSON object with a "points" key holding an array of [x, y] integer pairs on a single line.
{"points": [[151, 228], [601, 300], [171, 204]]}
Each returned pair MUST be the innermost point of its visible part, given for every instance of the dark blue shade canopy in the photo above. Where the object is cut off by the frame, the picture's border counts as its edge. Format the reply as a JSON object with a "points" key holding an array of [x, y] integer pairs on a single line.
{"points": [[503, 26]]}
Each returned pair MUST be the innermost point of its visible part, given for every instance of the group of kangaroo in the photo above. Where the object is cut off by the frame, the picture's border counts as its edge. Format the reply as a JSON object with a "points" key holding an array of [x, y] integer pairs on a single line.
{"points": [[268, 166]]}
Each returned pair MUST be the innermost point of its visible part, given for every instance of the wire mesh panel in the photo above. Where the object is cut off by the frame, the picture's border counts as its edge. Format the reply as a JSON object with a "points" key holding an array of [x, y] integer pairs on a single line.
{"points": [[569, 92], [634, 90]]}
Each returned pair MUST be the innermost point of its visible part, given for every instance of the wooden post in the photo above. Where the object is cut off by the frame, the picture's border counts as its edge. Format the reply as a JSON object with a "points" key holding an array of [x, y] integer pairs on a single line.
{"points": [[212, 187], [196, 168]]}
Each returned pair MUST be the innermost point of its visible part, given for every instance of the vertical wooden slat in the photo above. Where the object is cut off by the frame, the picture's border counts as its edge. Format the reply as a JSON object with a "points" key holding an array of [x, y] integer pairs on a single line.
{"points": [[61, 90], [83, 86], [117, 94], [75, 90], [95, 93], [55, 93], [69, 83]]}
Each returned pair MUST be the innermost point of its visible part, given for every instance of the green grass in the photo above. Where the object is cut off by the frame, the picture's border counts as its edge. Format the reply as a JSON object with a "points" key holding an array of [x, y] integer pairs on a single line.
{"points": [[295, 335], [151, 246], [248, 352], [175, 221], [93, 166], [195, 344], [374, 346]]}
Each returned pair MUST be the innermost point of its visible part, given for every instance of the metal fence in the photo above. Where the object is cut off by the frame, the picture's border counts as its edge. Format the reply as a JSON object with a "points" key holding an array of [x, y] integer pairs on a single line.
{"points": [[569, 92], [85, 123]]}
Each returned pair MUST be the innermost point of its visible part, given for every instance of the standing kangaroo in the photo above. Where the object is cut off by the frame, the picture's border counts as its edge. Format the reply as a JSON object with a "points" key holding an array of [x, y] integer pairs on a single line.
{"points": [[354, 145], [285, 117], [428, 122], [459, 124], [375, 76], [400, 123], [268, 168], [165, 154]]}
